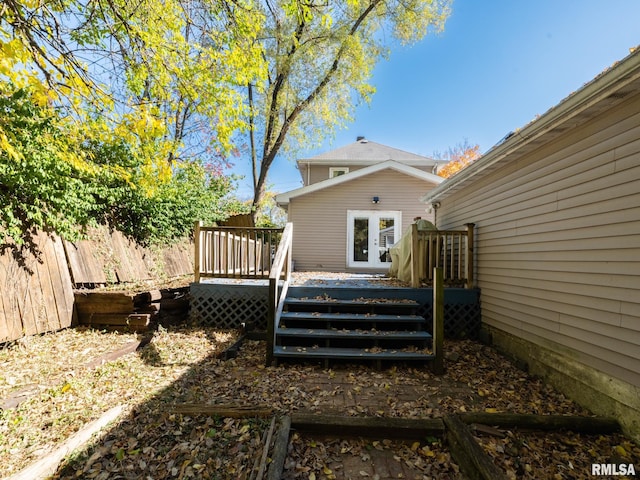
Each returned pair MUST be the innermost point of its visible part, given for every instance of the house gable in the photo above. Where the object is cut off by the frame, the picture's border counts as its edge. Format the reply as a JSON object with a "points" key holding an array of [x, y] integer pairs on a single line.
{"points": [[358, 155], [320, 219], [284, 198]]}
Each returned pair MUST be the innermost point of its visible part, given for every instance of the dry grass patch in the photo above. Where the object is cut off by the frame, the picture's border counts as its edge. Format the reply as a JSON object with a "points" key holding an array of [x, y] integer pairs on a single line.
{"points": [[69, 395]]}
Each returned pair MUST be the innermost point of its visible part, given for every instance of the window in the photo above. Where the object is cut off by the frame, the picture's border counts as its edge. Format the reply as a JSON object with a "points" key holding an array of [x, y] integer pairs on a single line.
{"points": [[337, 171]]}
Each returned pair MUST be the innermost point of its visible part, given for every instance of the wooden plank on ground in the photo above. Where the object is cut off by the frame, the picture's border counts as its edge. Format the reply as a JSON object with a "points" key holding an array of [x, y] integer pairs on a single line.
{"points": [[265, 452], [103, 302], [116, 319], [577, 424], [375, 427], [280, 449], [468, 454], [116, 354], [147, 297], [222, 410], [48, 464]]}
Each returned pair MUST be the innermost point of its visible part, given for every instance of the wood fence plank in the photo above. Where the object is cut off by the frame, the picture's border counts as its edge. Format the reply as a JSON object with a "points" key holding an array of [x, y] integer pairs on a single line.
{"points": [[41, 294], [75, 264], [122, 265], [169, 258], [23, 298], [142, 261], [83, 262], [130, 266], [47, 271], [5, 317], [62, 283], [93, 255], [11, 295]]}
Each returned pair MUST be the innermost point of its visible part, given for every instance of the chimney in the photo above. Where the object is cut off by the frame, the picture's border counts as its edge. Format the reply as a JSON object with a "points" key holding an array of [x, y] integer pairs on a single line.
{"points": [[361, 139]]}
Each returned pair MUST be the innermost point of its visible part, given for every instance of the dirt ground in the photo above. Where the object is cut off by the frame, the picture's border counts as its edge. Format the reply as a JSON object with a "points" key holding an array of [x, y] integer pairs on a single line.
{"points": [[154, 441]]}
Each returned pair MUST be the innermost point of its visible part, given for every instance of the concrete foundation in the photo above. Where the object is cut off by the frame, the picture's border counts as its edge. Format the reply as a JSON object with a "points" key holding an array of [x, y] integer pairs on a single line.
{"points": [[590, 388]]}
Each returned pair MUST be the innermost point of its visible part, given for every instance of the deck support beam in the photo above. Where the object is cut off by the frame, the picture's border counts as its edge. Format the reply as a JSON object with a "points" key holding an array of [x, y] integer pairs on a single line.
{"points": [[438, 321]]}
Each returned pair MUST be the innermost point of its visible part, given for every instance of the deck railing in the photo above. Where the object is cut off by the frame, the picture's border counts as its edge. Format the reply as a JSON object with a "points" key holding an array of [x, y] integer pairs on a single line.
{"points": [[234, 252], [278, 286], [451, 250]]}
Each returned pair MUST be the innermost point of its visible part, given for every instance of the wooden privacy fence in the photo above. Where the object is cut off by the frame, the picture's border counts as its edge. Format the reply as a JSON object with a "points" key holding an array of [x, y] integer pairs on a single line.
{"points": [[108, 257], [40, 297], [234, 252], [450, 250]]}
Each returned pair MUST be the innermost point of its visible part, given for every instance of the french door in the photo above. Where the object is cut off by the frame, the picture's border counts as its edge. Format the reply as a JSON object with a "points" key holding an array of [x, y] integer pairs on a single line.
{"points": [[370, 234]]}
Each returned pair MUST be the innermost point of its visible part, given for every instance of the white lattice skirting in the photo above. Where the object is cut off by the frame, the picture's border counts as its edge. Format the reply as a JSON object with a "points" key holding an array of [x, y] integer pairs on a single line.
{"points": [[229, 306]]}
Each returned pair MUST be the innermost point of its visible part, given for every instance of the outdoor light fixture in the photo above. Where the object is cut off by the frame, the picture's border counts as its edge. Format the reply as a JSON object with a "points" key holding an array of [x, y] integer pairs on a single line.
{"points": [[375, 200]]}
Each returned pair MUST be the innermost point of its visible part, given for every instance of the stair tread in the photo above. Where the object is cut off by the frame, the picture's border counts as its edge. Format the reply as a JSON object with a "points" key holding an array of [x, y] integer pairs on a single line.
{"points": [[356, 317], [350, 353], [364, 334], [370, 302]]}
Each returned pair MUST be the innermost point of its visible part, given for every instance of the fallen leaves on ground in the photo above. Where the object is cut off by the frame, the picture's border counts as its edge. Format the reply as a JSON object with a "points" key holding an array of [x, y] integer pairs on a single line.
{"points": [[181, 366], [557, 455], [355, 458]]}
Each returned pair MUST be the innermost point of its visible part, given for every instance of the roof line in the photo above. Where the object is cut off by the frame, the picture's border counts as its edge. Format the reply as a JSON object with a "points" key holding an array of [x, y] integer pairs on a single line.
{"points": [[284, 198], [614, 78]]}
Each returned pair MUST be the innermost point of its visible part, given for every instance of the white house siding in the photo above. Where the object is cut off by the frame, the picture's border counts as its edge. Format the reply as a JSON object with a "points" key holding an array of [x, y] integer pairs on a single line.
{"points": [[558, 244], [320, 219]]}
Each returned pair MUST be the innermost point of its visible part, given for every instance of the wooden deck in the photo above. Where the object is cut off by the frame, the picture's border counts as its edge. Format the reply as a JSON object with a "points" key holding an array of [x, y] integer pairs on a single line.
{"points": [[358, 320]]}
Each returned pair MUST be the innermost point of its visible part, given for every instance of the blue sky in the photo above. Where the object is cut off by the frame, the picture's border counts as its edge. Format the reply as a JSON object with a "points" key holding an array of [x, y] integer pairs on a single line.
{"points": [[497, 65]]}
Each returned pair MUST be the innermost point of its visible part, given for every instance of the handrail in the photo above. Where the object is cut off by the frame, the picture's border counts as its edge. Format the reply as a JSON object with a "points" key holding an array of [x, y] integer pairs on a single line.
{"points": [[451, 250], [279, 278], [234, 252]]}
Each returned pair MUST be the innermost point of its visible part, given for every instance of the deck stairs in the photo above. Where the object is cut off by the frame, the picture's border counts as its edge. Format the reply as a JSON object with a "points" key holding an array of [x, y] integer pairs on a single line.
{"points": [[351, 325]]}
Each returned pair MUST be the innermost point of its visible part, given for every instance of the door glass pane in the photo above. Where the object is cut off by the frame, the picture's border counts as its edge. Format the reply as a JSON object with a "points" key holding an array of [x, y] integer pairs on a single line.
{"points": [[386, 238], [361, 239]]}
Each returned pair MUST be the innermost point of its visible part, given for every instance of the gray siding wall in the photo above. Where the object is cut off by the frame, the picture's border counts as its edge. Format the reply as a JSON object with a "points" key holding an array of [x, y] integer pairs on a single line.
{"points": [[558, 243], [320, 218], [319, 173]]}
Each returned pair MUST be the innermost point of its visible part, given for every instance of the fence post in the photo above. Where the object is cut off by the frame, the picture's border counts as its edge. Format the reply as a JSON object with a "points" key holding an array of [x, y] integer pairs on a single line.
{"points": [[469, 272], [415, 257], [196, 257], [438, 320]]}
